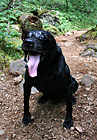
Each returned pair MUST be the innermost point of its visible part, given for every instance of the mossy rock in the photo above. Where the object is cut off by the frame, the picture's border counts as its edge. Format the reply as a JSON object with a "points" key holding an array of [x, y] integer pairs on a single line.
{"points": [[94, 34], [30, 22], [90, 50], [42, 11], [53, 29], [91, 34]]}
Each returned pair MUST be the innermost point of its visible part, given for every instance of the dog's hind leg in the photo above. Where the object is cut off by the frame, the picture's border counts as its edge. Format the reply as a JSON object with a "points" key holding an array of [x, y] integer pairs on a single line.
{"points": [[74, 84], [42, 99], [75, 87]]}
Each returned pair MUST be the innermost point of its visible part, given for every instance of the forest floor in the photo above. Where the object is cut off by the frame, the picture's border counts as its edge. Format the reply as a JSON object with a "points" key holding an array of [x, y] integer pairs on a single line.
{"points": [[49, 118]]}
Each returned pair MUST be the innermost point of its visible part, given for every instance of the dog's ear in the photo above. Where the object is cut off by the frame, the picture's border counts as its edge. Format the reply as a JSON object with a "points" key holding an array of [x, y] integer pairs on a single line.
{"points": [[52, 41], [25, 58], [23, 34]]}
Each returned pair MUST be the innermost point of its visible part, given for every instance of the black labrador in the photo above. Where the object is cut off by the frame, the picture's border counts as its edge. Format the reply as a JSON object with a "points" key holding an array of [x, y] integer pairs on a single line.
{"points": [[47, 71]]}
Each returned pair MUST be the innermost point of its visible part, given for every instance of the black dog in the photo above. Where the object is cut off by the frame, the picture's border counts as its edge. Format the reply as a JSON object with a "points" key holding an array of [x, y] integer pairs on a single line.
{"points": [[48, 72]]}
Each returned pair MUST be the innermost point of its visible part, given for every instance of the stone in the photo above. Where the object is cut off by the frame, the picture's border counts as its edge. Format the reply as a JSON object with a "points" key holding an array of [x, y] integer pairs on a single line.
{"points": [[2, 132], [85, 95], [18, 79], [17, 67], [87, 80], [68, 34], [59, 44], [88, 89], [68, 44], [79, 129], [29, 22], [88, 53], [2, 74], [90, 50], [32, 117], [72, 128], [2, 79], [34, 90], [49, 18]]}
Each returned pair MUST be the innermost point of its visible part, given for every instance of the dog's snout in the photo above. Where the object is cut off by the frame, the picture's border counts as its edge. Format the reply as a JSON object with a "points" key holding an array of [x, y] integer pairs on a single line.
{"points": [[28, 41]]}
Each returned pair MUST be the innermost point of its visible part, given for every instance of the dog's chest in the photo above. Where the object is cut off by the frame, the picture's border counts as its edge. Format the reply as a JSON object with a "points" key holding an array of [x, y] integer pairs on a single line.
{"points": [[46, 82]]}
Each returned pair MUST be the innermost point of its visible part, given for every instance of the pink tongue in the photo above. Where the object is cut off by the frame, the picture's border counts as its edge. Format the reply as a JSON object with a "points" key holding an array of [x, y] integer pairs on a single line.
{"points": [[33, 65]]}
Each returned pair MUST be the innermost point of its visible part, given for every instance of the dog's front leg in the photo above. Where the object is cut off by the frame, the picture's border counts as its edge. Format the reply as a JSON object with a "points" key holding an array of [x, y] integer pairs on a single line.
{"points": [[27, 115], [68, 123]]}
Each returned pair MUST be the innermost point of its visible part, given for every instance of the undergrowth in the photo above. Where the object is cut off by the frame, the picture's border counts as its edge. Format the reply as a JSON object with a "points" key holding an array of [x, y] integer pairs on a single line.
{"points": [[73, 15]]}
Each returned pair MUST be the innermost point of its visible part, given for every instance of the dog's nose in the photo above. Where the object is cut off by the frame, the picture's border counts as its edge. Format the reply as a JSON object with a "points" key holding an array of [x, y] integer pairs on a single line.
{"points": [[28, 41]]}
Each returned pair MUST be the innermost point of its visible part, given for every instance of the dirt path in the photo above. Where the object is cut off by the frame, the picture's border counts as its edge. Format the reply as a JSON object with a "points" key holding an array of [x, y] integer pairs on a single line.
{"points": [[48, 117]]}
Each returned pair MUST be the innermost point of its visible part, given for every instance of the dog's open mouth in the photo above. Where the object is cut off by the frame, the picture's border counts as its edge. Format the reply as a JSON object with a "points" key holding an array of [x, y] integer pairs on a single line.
{"points": [[33, 63]]}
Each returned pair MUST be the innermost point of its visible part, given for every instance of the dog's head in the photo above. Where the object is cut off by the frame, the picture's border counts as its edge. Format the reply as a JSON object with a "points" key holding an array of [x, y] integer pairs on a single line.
{"points": [[38, 42], [37, 45]]}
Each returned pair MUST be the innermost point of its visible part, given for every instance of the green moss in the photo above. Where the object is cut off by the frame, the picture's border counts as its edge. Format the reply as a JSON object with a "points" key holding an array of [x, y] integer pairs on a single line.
{"points": [[94, 34], [42, 11], [91, 34], [52, 29], [4, 61]]}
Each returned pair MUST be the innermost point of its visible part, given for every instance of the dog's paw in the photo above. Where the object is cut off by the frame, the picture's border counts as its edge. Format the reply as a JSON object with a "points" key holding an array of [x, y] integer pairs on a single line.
{"points": [[68, 123], [42, 100], [27, 119]]}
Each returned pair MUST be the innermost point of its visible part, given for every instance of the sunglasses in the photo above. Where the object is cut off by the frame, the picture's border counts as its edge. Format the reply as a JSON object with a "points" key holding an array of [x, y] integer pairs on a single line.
{"points": [[39, 35]]}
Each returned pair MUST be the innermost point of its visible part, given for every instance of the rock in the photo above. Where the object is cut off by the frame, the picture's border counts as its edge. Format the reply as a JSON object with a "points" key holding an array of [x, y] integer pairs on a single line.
{"points": [[17, 67], [85, 95], [32, 117], [2, 79], [89, 108], [29, 22], [79, 129], [68, 44], [2, 132], [90, 50], [48, 18], [53, 29], [18, 79], [72, 128], [59, 44], [2, 74], [68, 34], [62, 120], [88, 53], [87, 80], [34, 90], [88, 89], [14, 135]]}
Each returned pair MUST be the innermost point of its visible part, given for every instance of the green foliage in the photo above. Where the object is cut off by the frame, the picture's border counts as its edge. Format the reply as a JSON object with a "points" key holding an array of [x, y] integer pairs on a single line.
{"points": [[7, 33], [73, 15]]}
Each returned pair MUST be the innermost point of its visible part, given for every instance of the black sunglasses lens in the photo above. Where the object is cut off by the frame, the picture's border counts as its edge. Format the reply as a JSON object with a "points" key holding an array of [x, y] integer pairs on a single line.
{"points": [[40, 35]]}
